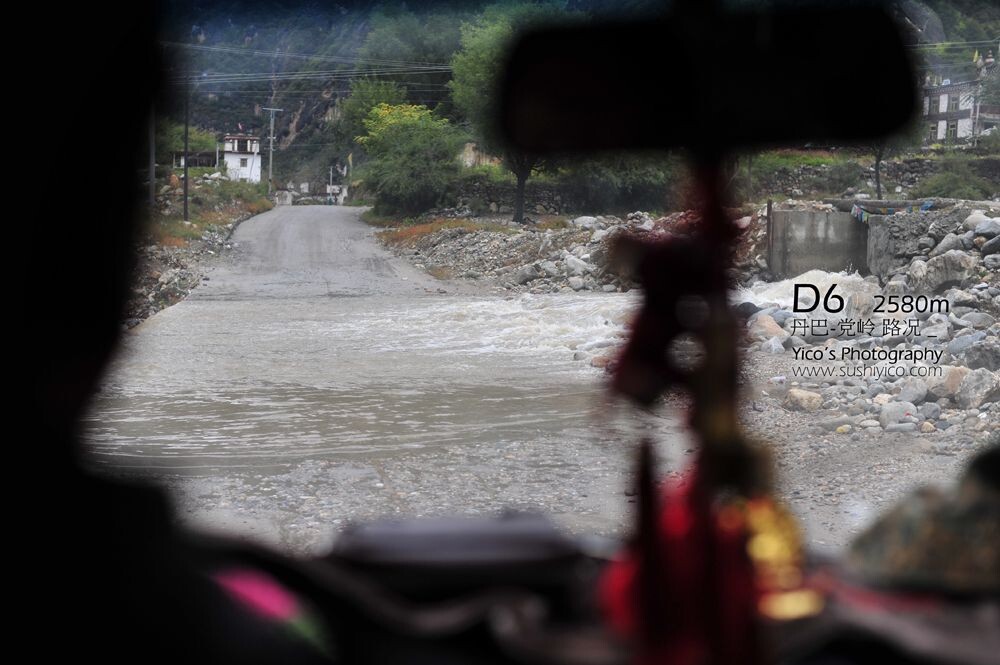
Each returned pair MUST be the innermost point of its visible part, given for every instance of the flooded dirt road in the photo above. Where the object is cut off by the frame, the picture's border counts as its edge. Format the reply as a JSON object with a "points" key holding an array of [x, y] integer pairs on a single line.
{"points": [[317, 379]]}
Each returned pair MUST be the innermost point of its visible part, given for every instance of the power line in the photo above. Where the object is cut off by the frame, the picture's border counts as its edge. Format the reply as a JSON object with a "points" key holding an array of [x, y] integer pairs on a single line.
{"points": [[208, 78], [304, 56], [955, 43], [302, 76]]}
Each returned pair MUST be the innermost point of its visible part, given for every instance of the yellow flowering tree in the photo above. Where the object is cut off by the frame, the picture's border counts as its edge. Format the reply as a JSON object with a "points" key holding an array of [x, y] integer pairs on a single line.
{"points": [[413, 157]]}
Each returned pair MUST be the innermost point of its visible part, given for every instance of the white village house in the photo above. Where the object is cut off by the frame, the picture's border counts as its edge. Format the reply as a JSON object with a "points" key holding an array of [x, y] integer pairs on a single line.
{"points": [[954, 111], [241, 154]]}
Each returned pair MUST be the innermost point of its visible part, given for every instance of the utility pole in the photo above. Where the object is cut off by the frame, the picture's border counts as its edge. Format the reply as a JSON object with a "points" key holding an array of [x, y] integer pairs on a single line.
{"points": [[187, 123], [152, 160], [270, 156]]}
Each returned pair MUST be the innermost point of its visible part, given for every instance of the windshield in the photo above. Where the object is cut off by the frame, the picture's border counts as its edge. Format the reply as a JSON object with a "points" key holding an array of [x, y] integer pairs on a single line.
{"points": [[355, 300]]}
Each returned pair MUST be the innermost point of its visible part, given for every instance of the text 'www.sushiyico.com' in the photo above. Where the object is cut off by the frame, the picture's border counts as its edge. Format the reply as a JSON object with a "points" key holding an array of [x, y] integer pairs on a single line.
{"points": [[875, 371]]}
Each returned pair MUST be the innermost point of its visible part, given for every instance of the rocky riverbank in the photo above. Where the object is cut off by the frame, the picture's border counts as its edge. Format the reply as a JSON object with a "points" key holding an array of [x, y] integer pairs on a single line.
{"points": [[918, 355], [915, 354], [573, 255], [167, 273]]}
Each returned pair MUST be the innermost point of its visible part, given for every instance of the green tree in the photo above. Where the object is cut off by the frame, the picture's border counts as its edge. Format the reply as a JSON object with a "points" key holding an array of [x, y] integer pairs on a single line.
{"points": [[476, 71], [170, 139], [419, 45], [365, 95], [624, 181], [903, 141], [990, 91], [413, 157]]}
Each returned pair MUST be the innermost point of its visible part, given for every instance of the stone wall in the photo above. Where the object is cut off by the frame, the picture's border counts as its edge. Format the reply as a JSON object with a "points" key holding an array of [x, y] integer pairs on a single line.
{"points": [[484, 196], [905, 174]]}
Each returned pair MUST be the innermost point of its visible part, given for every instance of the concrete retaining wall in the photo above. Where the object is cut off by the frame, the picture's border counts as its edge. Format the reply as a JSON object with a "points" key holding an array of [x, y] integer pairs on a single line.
{"points": [[802, 240]]}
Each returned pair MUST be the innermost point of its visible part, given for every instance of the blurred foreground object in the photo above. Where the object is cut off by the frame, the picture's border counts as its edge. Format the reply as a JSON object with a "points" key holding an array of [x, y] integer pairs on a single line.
{"points": [[708, 80], [945, 541], [716, 556]]}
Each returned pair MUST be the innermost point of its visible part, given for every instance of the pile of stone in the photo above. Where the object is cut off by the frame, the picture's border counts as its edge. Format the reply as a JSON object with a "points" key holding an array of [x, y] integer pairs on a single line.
{"points": [[945, 369], [896, 241], [575, 258], [171, 194], [525, 259], [166, 275]]}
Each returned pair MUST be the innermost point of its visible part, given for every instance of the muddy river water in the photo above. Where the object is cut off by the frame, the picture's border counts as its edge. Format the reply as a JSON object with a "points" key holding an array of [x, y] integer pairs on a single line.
{"points": [[316, 379]]}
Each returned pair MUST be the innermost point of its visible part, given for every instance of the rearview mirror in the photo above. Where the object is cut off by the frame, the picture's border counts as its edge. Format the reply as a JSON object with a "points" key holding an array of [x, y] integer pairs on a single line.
{"points": [[709, 82]]}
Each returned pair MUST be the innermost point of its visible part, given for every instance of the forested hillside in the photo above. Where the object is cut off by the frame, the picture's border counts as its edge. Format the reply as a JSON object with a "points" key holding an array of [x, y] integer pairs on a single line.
{"points": [[304, 58]]}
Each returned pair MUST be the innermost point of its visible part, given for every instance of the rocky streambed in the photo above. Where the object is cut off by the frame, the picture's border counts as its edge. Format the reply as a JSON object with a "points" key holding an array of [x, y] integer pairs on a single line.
{"points": [[927, 369]]}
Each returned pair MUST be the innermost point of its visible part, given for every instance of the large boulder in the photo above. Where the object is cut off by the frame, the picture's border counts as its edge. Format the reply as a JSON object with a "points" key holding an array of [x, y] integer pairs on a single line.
{"points": [[803, 400], [948, 243], [975, 219], [990, 247], [978, 387], [961, 342], [526, 274], [939, 332], [988, 229], [894, 412], [939, 272], [746, 309], [948, 383], [575, 265], [979, 320], [587, 222], [773, 346], [912, 390], [984, 354], [763, 327]]}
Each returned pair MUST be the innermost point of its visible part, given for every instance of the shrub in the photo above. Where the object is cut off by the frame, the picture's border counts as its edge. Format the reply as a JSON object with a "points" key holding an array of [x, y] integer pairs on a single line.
{"points": [[623, 182], [955, 181], [839, 177], [478, 207], [555, 224], [989, 144]]}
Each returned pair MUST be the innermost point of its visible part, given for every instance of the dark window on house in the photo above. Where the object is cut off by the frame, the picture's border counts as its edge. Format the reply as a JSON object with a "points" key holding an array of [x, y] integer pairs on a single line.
{"points": [[241, 146], [932, 132], [952, 102], [243, 162], [952, 130]]}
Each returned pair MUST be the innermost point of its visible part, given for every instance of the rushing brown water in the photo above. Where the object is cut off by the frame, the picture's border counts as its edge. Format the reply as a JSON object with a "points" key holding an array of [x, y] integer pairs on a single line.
{"points": [[316, 380], [303, 387]]}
